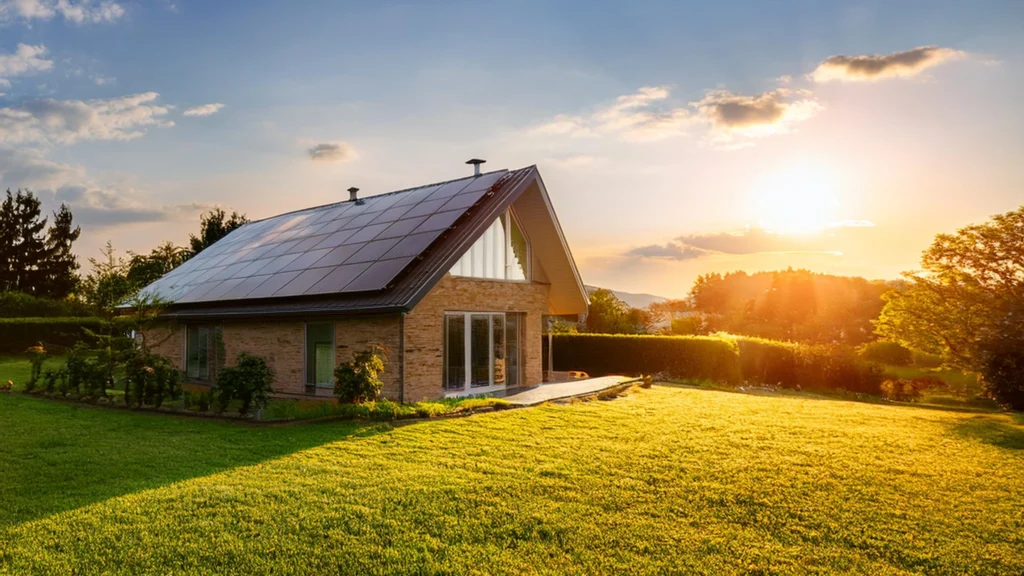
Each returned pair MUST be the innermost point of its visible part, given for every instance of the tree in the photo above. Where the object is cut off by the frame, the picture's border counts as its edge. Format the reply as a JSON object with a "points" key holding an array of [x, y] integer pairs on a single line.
{"points": [[968, 302], [60, 265], [107, 286], [214, 225], [22, 242], [144, 269], [610, 315]]}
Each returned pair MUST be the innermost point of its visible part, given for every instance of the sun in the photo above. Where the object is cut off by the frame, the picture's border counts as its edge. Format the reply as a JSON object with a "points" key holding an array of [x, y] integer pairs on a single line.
{"points": [[800, 199]]}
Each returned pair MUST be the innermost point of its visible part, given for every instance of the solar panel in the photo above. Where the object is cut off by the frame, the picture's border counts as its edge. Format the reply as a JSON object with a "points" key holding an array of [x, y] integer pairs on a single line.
{"points": [[343, 247]]}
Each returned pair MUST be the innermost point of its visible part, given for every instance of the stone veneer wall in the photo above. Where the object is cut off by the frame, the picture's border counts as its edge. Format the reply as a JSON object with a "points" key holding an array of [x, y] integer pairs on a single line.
{"points": [[282, 342], [424, 327]]}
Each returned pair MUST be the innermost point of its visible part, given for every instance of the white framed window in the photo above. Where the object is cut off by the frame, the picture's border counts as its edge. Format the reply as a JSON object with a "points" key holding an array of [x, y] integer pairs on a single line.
{"points": [[501, 253]]}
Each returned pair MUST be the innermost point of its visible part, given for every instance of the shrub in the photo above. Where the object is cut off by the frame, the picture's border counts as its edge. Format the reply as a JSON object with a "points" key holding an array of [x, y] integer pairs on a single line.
{"points": [[357, 380], [36, 357], [248, 381], [1003, 372], [204, 400], [149, 379], [885, 352], [901, 390], [21, 305], [704, 357], [926, 360]]}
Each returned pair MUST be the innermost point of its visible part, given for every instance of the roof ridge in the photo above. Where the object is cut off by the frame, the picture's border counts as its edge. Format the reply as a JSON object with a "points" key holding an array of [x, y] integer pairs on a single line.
{"points": [[402, 191]]}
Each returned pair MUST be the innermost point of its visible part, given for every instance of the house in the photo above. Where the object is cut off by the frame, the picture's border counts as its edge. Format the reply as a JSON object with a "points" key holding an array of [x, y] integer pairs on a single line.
{"points": [[455, 280]]}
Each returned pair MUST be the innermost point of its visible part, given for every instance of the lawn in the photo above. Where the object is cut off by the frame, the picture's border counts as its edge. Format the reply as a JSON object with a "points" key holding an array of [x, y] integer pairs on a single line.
{"points": [[666, 480]]}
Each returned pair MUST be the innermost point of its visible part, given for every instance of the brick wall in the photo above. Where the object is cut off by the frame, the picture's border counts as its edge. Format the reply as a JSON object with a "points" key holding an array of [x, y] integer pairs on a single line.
{"points": [[424, 327], [282, 342]]}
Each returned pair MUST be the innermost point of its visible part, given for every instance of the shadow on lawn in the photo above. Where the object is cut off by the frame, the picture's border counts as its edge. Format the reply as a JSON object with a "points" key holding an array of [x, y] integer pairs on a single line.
{"points": [[59, 457], [1006, 431]]}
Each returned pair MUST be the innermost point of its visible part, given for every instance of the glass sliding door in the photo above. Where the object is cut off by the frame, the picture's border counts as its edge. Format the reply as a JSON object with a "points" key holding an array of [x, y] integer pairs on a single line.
{"points": [[479, 350]]}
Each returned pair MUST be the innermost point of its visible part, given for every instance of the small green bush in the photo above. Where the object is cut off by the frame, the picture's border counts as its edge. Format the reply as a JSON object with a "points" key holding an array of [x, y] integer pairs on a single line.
{"points": [[889, 353], [357, 380], [249, 381], [149, 379], [36, 356]]}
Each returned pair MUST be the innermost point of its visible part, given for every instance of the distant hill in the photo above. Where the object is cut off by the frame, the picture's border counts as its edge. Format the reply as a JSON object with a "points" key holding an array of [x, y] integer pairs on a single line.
{"points": [[633, 300]]}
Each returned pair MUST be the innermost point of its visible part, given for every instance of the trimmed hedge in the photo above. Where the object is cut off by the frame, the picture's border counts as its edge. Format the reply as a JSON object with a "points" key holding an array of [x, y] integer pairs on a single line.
{"points": [[21, 305], [17, 334], [699, 357], [722, 358]]}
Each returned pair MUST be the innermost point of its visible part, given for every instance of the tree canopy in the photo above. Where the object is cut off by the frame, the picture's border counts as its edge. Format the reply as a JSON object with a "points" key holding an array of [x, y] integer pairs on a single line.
{"points": [[213, 226], [967, 304], [35, 259]]}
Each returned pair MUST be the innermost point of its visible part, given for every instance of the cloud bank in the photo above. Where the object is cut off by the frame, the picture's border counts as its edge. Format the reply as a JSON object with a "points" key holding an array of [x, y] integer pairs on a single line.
{"points": [[92, 203], [74, 11], [872, 67], [63, 122]]}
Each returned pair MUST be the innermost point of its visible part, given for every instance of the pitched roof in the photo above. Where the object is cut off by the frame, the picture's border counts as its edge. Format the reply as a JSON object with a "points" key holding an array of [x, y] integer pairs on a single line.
{"points": [[381, 253]]}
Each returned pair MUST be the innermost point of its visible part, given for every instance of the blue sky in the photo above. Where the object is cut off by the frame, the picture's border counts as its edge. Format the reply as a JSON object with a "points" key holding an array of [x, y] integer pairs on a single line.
{"points": [[675, 138]]}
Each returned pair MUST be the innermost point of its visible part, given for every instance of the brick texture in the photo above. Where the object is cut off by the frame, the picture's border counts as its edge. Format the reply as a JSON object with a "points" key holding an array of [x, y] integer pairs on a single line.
{"points": [[424, 327], [282, 342]]}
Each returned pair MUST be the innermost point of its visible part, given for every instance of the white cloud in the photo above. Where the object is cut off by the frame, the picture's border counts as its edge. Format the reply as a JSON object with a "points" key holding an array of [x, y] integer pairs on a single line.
{"points": [[62, 122], [633, 117], [91, 202], [871, 67], [331, 152], [204, 110], [27, 59], [74, 11], [5, 83]]}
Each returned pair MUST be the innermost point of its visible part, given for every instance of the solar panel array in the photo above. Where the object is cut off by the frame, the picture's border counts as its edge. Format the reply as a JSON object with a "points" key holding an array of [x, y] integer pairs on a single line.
{"points": [[338, 248]]}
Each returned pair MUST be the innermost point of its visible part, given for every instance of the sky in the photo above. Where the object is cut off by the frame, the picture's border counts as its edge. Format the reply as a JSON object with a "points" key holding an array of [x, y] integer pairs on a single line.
{"points": [[674, 138]]}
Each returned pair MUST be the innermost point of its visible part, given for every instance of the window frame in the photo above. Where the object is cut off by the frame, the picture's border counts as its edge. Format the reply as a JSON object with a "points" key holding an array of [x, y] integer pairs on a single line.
{"points": [[467, 316], [509, 216], [211, 353], [305, 356]]}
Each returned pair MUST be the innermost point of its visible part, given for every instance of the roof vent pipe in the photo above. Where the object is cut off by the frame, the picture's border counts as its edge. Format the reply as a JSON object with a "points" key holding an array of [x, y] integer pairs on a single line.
{"points": [[353, 194], [476, 162]]}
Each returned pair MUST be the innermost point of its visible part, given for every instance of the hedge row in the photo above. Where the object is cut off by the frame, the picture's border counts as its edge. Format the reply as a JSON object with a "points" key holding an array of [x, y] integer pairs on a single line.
{"points": [[701, 357], [21, 305], [17, 334], [724, 358]]}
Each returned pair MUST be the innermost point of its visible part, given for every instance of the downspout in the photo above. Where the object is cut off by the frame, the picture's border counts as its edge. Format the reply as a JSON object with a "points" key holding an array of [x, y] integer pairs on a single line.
{"points": [[401, 357], [551, 352]]}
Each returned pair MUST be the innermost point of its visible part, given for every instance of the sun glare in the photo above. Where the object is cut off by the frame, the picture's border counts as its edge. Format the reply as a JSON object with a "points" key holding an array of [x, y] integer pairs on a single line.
{"points": [[797, 200]]}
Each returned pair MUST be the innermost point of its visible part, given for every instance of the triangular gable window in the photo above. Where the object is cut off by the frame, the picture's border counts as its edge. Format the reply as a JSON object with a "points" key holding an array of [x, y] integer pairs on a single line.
{"points": [[502, 253]]}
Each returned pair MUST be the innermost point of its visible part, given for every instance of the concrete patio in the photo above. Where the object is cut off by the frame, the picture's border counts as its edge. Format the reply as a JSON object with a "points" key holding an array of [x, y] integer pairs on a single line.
{"points": [[566, 390]]}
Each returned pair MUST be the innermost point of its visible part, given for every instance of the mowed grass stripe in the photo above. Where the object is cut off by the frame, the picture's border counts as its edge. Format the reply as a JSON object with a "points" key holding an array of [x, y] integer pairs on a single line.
{"points": [[665, 480]]}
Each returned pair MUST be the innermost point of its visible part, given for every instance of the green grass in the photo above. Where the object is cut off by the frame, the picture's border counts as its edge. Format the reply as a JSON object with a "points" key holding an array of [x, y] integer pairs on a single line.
{"points": [[667, 480], [17, 369]]}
